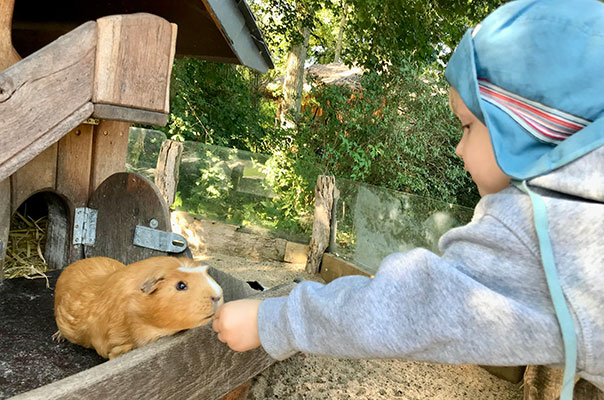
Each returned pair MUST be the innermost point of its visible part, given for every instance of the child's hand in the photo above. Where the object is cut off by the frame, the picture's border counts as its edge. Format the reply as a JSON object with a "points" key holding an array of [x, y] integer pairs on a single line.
{"points": [[236, 324]]}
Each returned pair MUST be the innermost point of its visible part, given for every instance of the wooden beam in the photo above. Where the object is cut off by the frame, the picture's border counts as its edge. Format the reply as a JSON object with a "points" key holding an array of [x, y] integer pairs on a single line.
{"points": [[190, 365], [134, 59], [134, 115], [109, 151], [44, 96]]}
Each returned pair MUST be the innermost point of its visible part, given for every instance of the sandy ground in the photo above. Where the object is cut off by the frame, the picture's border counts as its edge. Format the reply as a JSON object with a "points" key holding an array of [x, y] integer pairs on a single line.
{"points": [[311, 377]]}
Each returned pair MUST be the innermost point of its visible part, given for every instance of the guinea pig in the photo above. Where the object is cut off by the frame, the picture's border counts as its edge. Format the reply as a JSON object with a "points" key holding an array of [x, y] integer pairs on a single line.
{"points": [[103, 304]]}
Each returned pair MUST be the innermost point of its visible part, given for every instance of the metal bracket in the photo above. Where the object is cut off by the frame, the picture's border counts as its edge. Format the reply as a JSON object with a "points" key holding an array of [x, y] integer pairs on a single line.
{"points": [[84, 226], [159, 240]]}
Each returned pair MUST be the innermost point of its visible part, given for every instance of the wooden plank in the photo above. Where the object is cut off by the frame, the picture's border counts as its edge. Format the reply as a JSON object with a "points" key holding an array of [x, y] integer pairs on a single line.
{"points": [[53, 84], [189, 365], [5, 215], [334, 267], [109, 150], [166, 171], [73, 165], [324, 195], [135, 115], [134, 56], [36, 176]]}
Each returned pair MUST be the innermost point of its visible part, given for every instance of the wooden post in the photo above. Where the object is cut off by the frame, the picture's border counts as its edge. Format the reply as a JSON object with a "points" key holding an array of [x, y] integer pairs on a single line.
{"points": [[166, 172], [324, 196]]}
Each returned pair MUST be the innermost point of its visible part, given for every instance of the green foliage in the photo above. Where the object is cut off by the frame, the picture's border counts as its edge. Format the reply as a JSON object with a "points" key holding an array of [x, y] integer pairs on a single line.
{"points": [[396, 132], [217, 104]]}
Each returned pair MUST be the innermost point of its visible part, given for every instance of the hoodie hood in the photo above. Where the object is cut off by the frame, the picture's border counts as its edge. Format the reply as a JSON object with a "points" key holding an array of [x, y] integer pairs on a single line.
{"points": [[550, 55]]}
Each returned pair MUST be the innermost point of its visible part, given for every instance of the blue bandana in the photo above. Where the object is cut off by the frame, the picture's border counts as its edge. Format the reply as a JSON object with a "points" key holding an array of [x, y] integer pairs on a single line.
{"points": [[533, 73]]}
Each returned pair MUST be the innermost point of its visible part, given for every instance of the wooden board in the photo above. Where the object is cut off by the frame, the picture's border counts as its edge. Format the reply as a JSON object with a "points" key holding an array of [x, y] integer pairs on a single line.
{"points": [[333, 267], [125, 200], [8, 54], [36, 176], [73, 165], [109, 150], [190, 365], [166, 171], [55, 86], [134, 55]]}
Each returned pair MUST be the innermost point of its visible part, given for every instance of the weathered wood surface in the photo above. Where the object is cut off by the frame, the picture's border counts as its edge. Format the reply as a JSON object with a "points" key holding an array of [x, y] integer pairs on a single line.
{"points": [[544, 383], [37, 175], [58, 235], [210, 237], [54, 85], [190, 365], [8, 54], [4, 221], [134, 115], [166, 171], [324, 195], [334, 267], [134, 59], [109, 150], [123, 201], [73, 165]]}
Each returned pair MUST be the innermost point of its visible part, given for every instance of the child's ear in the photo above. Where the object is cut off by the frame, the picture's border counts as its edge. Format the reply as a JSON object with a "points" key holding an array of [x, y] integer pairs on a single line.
{"points": [[151, 285]]}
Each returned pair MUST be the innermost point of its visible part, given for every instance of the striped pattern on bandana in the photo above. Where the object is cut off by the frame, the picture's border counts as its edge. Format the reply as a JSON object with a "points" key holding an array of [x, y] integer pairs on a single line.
{"points": [[545, 123]]}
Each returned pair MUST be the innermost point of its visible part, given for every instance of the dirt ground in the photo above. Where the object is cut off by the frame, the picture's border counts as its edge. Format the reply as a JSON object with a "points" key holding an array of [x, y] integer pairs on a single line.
{"points": [[311, 377]]}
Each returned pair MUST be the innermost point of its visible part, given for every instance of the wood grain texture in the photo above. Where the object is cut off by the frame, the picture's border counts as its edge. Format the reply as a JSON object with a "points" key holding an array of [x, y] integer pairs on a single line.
{"points": [[4, 221], [123, 201], [166, 171], [109, 150], [134, 55], [73, 165], [36, 176], [135, 115], [545, 383], [189, 365], [319, 241], [55, 85]]}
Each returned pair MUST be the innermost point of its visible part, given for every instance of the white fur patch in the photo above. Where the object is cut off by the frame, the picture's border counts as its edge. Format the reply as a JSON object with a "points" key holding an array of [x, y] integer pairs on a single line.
{"points": [[204, 269]]}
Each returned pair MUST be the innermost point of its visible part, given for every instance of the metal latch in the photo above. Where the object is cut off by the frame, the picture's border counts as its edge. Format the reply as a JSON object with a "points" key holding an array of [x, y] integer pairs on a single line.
{"points": [[84, 226], [159, 240]]}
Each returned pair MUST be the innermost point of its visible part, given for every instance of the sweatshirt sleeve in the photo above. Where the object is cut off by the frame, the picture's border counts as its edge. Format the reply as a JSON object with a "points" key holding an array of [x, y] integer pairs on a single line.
{"points": [[484, 302]]}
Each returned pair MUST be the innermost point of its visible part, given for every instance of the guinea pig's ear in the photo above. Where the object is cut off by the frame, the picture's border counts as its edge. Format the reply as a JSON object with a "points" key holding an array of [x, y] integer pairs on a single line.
{"points": [[151, 285]]}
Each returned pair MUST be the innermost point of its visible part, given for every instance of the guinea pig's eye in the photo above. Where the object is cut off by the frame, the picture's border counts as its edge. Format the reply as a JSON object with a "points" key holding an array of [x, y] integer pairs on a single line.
{"points": [[181, 286]]}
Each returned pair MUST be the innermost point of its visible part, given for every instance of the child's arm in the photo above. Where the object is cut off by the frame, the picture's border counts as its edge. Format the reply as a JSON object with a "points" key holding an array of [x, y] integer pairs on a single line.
{"points": [[484, 302]]}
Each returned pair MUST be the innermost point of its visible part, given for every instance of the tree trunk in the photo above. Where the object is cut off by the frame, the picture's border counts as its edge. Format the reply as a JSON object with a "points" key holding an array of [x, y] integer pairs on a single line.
{"points": [[336, 57], [294, 82]]}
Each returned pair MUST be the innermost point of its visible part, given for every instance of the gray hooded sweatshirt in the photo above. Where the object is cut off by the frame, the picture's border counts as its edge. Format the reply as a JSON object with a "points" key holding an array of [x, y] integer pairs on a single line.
{"points": [[484, 301]]}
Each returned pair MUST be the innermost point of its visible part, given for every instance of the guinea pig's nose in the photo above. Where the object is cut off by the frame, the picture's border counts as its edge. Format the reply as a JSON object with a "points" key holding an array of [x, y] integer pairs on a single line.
{"points": [[216, 299]]}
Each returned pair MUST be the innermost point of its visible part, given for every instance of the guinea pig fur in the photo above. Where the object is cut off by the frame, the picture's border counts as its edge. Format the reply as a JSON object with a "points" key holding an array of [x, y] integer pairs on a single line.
{"points": [[113, 308]]}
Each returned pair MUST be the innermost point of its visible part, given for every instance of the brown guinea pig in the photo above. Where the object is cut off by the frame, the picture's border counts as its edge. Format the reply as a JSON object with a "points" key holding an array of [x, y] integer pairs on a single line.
{"points": [[114, 308]]}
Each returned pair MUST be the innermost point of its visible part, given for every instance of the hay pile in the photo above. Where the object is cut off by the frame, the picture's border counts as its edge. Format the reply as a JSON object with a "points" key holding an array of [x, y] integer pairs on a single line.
{"points": [[25, 248]]}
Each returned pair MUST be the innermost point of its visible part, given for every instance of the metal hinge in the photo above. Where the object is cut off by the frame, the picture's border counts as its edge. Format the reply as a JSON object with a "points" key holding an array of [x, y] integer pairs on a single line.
{"points": [[159, 240], [84, 226]]}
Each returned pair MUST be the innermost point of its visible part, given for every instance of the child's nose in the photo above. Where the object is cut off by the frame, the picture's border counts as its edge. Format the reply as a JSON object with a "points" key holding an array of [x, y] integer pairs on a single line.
{"points": [[460, 146]]}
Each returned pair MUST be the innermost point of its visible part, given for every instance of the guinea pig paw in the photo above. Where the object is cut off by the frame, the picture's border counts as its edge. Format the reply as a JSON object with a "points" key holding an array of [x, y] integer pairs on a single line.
{"points": [[58, 337]]}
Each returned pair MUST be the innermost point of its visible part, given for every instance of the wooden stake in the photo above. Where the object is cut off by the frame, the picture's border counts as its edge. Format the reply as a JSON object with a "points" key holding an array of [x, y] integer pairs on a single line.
{"points": [[324, 196], [166, 172]]}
